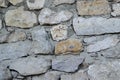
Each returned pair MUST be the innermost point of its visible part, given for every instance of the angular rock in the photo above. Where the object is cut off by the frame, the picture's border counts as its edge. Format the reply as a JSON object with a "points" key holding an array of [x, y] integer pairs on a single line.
{"points": [[41, 43], [116, 9], [14, 2], [3, 38], [116, 0], [35, 4], [30, 66], [106, 70], [3, 3], [96, 25], [16, 36], [58, 2], [81, 75], [59, 32], [48, 16], [68, 46], [0, 24], [66, 63], [93, 7], [14, 50], [20, 18], [5, 73], [104, 44]]}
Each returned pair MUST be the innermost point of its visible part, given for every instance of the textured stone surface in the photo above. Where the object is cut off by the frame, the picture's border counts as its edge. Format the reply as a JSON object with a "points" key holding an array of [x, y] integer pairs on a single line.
{"points": [[103, 44], [116, 0], [48, 16], [93, 7], [41, 43], [20, 18], [96, 25], [35, 4], [116, 9], [14, 50], [16, 36], [59, 32], [58, 2], [105, 71], [68, 46], [66, 63], [14, 2], [2, 3], [3, 38], [81, 75], [0, 24], [30, 65], [5, 73]]}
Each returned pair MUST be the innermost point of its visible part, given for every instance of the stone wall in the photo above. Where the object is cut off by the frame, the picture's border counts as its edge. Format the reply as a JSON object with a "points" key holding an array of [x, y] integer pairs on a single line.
{"points": [[59, 40]]}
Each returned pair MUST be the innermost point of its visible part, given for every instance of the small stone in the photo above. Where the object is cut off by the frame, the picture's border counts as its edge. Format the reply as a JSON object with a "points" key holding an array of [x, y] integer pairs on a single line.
{"points": [[58, 2], [0, 24], [5, 73], [81, 75], [3, 38], [35, 4], [116, 9], [104, 44], [116, 0], [59, 32], [3, 3], [66, 63], [96, 25], [14, 2], [30, 66], [104, 70], [93, 7], [68, 46], [48, 16], [20, 18], [16, 36]]}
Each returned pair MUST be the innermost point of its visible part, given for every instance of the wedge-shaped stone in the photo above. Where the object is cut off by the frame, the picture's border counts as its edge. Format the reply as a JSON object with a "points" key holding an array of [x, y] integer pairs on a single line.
{"points": [[96, 25], [14, 2]]}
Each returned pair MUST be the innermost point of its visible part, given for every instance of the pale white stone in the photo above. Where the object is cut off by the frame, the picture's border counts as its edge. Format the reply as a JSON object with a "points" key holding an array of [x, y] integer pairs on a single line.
{"points": [[59, 32], [116, 9], [14, 2], [3, 3], [96, 25], [35, 4], [0, 24], [48, 16], [57, 2], [103, 44], [20, 18]]}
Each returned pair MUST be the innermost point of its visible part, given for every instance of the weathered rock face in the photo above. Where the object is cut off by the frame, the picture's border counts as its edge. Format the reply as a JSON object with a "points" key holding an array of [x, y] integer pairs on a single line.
{"points": [[3, 3], [59, 32], [14, 2], [68, 46], [66, 63], [35, 4], [48, 16], [58, 2], [105, 71], [20, 18], [96, 25], [116, 9], [93, 7], [117, 0], [104, 44], [0, 24], [30, 66]]}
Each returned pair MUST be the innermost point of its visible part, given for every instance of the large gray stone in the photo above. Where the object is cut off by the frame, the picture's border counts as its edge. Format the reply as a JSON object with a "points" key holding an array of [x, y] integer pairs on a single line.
{"points": [[105, 70], [96, 25], [103, 44], [48, 16], [66, 63], [30, 65], [14, 50]]}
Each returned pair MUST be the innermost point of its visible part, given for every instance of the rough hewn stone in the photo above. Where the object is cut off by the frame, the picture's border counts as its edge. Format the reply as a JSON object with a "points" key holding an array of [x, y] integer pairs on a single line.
{"points": [[35, 4], [48, 16], [96, 25], [3, 3], [0, 24], [66, 63], [68, 46], [20, 18], [116, 9], [103, 44], [59, 32], [14, 2], [93, 7], [116, 0], [106, 70], [30, 66], [58, 2]]}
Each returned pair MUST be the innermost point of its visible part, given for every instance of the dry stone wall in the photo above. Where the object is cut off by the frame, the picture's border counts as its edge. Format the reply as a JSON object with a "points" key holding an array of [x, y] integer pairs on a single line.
{"points": [[59, 39]]}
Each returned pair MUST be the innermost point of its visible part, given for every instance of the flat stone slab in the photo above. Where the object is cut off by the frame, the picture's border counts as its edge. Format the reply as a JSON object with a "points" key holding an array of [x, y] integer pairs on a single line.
{"points": [[58, 2], [96, 25]]}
